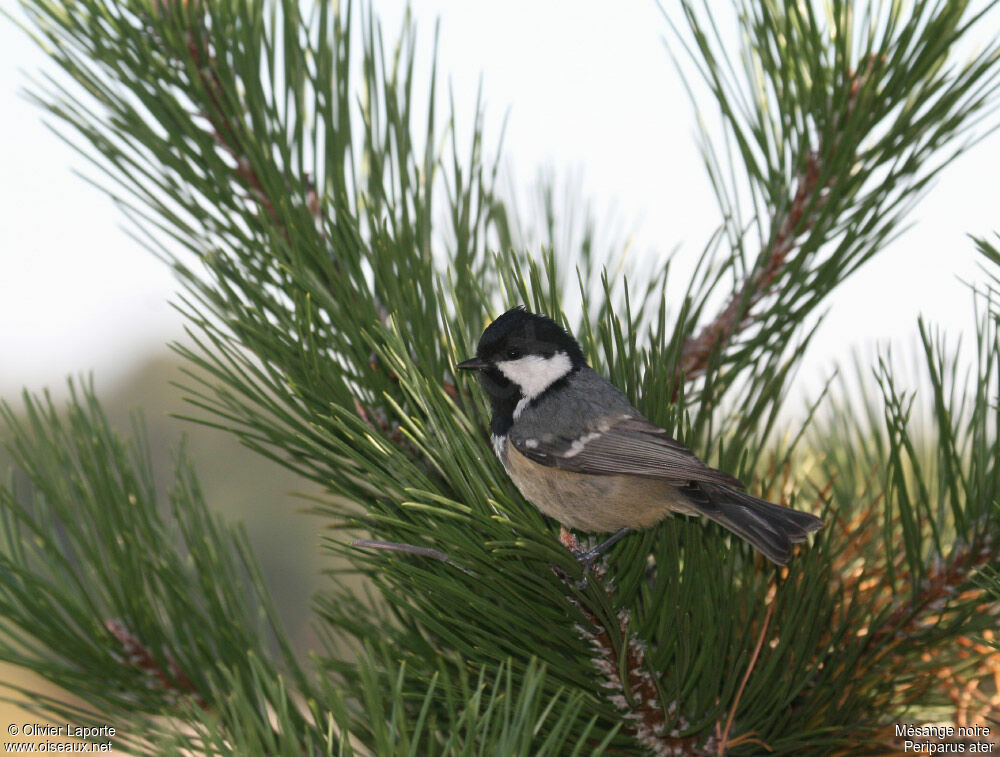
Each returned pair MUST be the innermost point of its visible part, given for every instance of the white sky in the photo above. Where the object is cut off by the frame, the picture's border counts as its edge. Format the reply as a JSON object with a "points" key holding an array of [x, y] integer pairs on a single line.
{"points": [[591, 93]]}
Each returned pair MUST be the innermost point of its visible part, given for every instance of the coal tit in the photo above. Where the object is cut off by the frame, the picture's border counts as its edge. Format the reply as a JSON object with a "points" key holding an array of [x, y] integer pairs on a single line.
{"points": [[577, 449]]}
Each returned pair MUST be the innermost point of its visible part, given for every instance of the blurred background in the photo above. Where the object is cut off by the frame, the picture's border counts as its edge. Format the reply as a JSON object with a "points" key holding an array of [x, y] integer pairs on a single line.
{"points": [[593, 97]]}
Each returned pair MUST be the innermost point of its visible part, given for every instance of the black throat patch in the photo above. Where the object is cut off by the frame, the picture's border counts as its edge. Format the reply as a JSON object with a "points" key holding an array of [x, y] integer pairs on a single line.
{"points": [[504, 396]]}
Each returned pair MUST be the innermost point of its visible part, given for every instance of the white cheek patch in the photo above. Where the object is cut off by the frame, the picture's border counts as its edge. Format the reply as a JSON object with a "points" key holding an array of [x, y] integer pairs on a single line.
{"points": [[533, 374]]}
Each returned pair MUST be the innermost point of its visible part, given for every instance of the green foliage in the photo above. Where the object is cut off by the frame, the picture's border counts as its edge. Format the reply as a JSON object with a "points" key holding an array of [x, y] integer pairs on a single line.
{"points": [[169, 605], [97, 577], [301, 185]]}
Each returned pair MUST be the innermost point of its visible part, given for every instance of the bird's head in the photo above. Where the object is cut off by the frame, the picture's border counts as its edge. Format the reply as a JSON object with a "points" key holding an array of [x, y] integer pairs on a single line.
{"points": [[522, 354]]}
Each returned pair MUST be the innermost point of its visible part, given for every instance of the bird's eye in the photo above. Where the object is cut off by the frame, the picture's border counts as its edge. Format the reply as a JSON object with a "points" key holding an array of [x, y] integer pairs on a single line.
{"points": [[513, 353]]}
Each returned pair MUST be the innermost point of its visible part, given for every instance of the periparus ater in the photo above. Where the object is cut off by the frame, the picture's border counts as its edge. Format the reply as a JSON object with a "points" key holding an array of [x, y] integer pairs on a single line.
{"points": [[579, 451]]}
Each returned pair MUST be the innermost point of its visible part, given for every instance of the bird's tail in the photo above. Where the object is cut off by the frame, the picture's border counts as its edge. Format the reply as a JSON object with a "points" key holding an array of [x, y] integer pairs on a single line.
{"points": [[771, 529]]}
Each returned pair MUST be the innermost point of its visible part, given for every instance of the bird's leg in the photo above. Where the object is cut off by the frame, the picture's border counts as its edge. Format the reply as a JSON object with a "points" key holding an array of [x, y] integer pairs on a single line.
{"points": [[587, 558]]}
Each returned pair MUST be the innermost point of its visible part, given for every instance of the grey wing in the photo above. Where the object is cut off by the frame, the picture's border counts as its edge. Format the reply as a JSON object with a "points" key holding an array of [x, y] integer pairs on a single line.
{"points": [[622, 446]]}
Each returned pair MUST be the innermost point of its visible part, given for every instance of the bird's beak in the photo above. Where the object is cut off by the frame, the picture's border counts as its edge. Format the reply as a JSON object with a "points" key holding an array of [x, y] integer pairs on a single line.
{"points": [[472, 364]]}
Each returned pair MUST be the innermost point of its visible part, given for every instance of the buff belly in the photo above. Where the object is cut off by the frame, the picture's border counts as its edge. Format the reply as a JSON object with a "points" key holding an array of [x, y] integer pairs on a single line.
{"points": [[594, 503]]}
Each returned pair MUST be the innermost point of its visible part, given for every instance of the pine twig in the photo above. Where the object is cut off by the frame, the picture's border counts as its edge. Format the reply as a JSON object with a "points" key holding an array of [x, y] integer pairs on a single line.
{"points": [[724, 737], [225, 133], [632, 688], [737, 314], [937, 589], [395, 546], [138, 655]]}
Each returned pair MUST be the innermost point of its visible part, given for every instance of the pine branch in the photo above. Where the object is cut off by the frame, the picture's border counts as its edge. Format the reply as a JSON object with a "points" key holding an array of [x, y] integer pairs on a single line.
{"points": [[799, 219], [137, 655], [831, 143], [95, 575], [328, 304], [619, 656], [737, 314], [724, 740]]}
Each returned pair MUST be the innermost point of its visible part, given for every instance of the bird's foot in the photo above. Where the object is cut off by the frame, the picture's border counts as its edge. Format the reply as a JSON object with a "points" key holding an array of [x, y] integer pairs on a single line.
{"points": [[590, 556], [588, 559]]}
